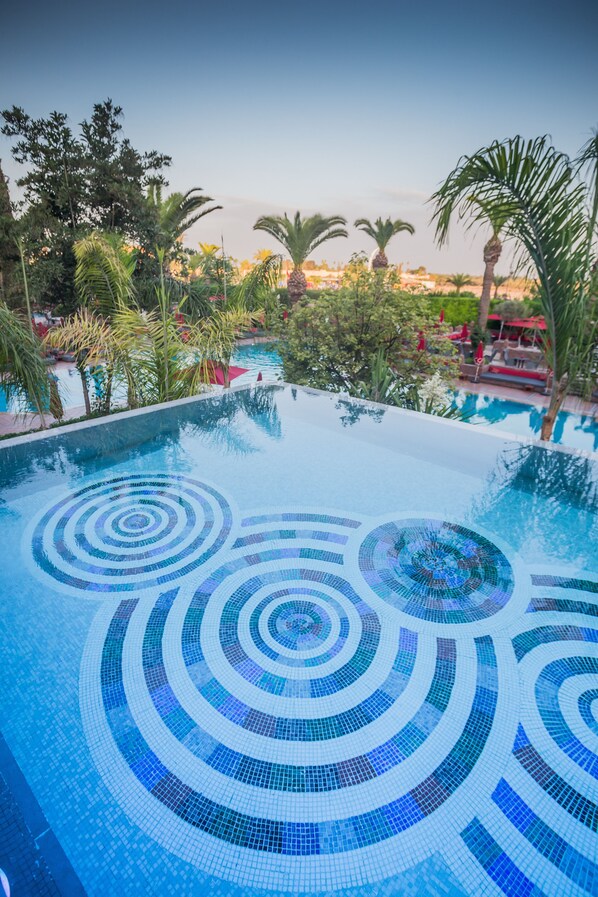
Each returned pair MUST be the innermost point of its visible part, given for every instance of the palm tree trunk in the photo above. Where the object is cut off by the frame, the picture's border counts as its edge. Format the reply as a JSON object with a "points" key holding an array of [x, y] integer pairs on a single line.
{"points": [[484, 306], [557, 397], [83, 374], [108, 392], [492, 251]]}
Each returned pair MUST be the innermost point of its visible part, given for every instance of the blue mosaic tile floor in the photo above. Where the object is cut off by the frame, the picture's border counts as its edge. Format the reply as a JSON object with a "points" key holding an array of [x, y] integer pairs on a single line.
{"points": [[305, 700]]}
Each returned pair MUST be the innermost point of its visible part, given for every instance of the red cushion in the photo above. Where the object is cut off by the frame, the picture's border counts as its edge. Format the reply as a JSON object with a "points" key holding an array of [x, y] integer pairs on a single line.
{"points": [[517, 372]]}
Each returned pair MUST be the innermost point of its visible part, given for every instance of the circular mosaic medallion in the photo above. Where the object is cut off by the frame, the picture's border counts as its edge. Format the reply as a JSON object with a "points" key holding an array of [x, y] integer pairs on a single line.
{"points": [[437, 571], [130, 532], [268, 720]]}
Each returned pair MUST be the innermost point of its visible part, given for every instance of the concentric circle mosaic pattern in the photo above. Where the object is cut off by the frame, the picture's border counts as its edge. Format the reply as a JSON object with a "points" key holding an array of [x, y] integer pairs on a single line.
{"points": [[300, 701], [131, 532], [436, 570]]}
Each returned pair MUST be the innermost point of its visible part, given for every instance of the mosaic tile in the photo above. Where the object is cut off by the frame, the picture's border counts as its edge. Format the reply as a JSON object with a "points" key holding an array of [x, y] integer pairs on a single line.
{"points": [[436, 571], [257, 700]]}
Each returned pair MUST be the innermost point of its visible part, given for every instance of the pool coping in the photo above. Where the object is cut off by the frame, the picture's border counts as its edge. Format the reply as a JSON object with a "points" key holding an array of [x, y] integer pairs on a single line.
{"points": [[482, 429]]}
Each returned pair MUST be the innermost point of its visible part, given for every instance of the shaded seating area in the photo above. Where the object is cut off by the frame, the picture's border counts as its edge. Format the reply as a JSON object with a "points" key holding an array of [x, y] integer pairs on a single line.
{"points": [[508, 375]]}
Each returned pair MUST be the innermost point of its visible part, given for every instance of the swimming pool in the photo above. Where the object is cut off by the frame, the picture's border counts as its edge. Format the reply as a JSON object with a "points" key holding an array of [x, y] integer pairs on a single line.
{"points": [[273, 642], [523, 419]]}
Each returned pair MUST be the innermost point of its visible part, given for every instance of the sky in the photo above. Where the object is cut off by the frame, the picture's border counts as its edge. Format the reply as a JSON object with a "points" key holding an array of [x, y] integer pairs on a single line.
{"points": [[342, 108]]}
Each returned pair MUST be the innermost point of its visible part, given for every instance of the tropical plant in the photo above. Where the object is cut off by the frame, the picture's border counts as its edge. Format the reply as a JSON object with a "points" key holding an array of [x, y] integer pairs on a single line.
{"points": [[104, 272], [431, 396], [330, 341], [498, 281], [459, 281], [550, 211], [22, 370], [90, 340], [382, 232], [492, 252], [176, 213], [300, 237]]}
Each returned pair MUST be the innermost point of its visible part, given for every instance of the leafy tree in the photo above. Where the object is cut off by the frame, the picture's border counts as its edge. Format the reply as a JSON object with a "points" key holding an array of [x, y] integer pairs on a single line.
{"points": [[329, 342], [550, 212], [459, 281], [382, 232], [300, 237], [74, 183], [9, 255]]}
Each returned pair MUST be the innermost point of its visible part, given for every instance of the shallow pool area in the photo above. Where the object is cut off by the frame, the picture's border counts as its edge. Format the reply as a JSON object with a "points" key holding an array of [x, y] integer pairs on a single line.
{"points": [[273, 641]]}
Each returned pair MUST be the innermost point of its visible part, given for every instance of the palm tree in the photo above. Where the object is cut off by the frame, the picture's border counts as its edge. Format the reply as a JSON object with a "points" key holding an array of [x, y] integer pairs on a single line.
{"points": [[22, 369], [459, 281], [382, 232], [498, 281], [89, 338], [300, 237], [177, 212], [551, 214]]}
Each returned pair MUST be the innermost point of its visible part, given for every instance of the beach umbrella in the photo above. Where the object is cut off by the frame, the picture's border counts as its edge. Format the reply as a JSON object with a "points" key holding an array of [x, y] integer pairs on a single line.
{"points": [[422, 343], [464, 332], [441, 318], [285, 315], [479, 355], [259, 377]]}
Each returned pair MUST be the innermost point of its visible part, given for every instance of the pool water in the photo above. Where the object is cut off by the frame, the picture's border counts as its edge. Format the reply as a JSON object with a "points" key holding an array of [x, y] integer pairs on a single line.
{"points": [[518, 418], [522, 419], [275, 642], [260, 358]]}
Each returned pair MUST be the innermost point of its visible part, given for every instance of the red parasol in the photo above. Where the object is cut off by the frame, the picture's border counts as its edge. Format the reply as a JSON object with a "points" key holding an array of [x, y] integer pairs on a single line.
{"points": [[441, 318], [479, 355], [464, 332], [259, 377], [233, 373], [422, 342]]}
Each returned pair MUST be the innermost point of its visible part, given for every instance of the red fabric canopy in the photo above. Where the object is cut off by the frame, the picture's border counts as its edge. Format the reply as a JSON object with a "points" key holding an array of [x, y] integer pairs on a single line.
{"points": [[233, 373], [528, 323], [479, 355]]}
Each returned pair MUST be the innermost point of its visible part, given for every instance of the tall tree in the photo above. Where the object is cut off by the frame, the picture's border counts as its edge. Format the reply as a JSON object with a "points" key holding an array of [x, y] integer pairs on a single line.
{"points": [[382, 232], [550, 211], [300, 237], [8, 253], [74, 182]]}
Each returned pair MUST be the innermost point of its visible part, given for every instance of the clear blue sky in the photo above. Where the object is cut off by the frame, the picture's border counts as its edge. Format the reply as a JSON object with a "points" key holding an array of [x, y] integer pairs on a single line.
{"points": [[352, 108]]}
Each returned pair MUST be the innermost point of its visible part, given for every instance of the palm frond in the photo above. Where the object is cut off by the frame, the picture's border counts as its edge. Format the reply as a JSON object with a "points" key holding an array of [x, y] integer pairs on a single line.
{"points": [[301, 236], [103, 273], [383, 231]]}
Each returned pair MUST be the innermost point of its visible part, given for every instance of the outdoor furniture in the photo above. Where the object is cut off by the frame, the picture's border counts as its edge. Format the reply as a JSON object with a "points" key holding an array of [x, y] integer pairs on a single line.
{"points": [[516, 377]]}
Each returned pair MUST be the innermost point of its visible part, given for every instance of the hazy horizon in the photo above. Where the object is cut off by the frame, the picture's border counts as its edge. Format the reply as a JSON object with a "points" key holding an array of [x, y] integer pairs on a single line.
{"points": [[317, 108]]}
